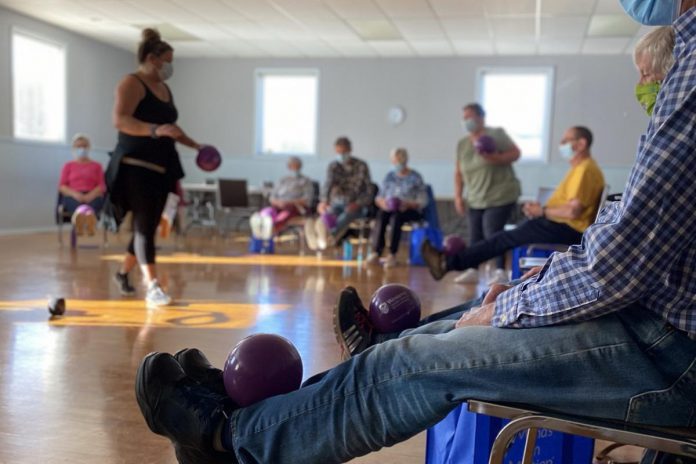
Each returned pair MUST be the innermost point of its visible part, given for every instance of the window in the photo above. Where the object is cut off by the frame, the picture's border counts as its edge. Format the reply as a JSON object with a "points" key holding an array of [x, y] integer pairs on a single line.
{"points": [[519, 101], [38, 79], [286, 112]]}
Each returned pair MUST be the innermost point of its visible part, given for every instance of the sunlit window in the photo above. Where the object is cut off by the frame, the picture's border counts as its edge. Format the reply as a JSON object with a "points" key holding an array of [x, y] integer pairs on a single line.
{"points": [[286, 112], [38, 81], [519, 101]]}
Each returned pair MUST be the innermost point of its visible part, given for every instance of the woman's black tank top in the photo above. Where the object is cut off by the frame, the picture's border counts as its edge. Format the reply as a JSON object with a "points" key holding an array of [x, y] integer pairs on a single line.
{"points": [[160, 151]]}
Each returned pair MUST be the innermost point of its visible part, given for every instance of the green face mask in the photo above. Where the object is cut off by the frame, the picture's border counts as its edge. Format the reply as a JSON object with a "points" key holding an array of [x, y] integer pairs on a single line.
{"points": [[646, 94]]}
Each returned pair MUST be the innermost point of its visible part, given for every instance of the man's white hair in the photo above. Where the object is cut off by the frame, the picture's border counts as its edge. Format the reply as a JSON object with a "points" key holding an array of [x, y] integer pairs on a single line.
{"points": [[657, 44]]}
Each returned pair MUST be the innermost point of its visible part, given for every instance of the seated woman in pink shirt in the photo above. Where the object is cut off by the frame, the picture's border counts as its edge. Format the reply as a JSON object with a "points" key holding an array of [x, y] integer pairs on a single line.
{"points": [[82, 183]]}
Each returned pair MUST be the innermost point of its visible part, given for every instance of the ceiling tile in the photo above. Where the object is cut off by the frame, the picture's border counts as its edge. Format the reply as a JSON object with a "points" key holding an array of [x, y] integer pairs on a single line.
{"points": [[260, 10], [473, 47], [210, 10], [205, 31], [432, 47], [391, 48], [466, 28], [510, 7], [420, 28], [375, 29], [605, 45], [115, 10], [356, 9], [567, 7], [612, 26], [330, 29], [609, 7], [513, 27], [564, 26], [515, 46], [404, 9], [450, 8], [560, 46]]}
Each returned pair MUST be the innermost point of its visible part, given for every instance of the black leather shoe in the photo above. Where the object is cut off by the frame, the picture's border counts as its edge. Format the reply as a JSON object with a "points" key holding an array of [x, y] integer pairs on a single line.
{"points": [[434, 259], [196, 365], [352, 326], [179, 408]]}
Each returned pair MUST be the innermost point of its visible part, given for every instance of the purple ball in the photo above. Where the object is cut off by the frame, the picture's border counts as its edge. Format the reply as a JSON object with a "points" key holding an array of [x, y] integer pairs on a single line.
{"points": [[208, 158], [84, 209], [485, 145], [269, 211], [393, 308], [393, 203], [261, 366], [453, 244], [329, 219]]}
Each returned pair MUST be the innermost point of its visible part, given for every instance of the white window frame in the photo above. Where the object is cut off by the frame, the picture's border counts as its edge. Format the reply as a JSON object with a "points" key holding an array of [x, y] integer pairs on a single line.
{"points": [[259, 74], [548, 109], [14, 31]]}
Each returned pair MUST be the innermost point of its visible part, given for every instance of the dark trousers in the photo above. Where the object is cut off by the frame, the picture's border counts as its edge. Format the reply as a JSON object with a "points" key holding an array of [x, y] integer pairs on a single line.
{"points": [[484, 223], [145, 194], [539, 230], [70, 204], [395, 220]]}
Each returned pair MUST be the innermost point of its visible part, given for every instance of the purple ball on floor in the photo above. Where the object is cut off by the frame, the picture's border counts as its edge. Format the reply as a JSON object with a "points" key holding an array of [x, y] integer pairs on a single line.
{"points": [[393, 308], [261, 366]]}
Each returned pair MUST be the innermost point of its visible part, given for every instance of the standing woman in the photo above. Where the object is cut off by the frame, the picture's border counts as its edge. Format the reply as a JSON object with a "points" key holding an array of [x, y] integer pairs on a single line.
{"points": [[145, 165], [492, 189]]}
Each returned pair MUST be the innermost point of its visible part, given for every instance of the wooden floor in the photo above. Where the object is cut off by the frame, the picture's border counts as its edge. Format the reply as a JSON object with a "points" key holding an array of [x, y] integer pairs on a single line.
{"points": [[66, 388]]}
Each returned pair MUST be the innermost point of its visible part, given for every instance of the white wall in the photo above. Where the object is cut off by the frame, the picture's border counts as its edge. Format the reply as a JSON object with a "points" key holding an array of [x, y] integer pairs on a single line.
{"points": [[29, 171], [216, 102]]}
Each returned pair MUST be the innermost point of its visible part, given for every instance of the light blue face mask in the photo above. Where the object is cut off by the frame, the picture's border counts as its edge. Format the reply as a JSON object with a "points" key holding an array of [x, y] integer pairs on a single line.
{"points": [[398, 167], [81, 153], [469, 125], [653, 12], [566, 150], [342, 158]]}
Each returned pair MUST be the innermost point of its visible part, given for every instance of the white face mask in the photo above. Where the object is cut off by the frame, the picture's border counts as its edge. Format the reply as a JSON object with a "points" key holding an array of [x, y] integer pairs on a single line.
{"points": [[566, 150], [81, 153], [166, 71]]}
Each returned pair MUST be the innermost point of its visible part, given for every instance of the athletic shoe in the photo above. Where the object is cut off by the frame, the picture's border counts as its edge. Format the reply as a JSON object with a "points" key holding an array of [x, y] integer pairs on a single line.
{"points": [[322, 234], [470, 276], [434, 259], [197, 366], [124, 286], [255, 224], [91, 224], [311, 233], [351, 324], [390, 262], [266, 228], [156, 296], [499, 276], [177, 407], [79, 222], [372, 259]]}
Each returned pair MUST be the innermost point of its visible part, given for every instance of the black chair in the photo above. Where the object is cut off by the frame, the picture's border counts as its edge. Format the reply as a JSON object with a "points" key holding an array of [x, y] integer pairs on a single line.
{"points": [[233, 202]]}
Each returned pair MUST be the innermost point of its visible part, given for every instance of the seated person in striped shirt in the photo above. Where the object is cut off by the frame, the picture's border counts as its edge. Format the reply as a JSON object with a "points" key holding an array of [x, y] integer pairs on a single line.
{"points": [[605, 330], [570, 210], [292, 196], [82, 183], [401, 199]]}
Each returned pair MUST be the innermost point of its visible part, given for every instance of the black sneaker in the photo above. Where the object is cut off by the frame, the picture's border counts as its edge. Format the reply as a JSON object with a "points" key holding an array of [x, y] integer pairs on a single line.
{"points": [[179, 408], [351, 323], [434, 259], [197, 366], [123, 284]]}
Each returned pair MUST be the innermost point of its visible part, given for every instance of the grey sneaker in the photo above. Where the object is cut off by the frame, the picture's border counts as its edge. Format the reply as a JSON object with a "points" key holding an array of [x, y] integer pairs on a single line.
{"points": [[124, 286], [310, 234], [156, 296]]}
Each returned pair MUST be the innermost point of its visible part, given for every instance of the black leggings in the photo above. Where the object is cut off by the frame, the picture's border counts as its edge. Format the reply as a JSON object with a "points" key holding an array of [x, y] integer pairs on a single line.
{"points": [[145, 194]]}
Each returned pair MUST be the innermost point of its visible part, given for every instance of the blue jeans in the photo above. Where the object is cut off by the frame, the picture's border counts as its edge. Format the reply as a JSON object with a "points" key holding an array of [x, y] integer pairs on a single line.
{"points": [[628, 365], [344, 218]]}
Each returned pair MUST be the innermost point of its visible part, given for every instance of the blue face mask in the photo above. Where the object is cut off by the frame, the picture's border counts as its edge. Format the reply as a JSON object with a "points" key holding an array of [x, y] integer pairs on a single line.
{"points": [[653, 12], [81, 153], [469, 125], [566, 150], [342, 158]]}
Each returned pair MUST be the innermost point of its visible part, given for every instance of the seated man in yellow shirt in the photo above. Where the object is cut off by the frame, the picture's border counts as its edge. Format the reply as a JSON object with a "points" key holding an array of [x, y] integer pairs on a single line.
{"points": [[570, 210]]}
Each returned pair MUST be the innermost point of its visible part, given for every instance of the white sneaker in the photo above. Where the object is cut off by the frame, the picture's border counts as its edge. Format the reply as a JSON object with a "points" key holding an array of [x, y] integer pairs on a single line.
{"points": [[255, 224], [372, 259], [470, 276], [390, 262], [499, 276], [266, 227], [311, 233], [322, 234], [156, 296]]}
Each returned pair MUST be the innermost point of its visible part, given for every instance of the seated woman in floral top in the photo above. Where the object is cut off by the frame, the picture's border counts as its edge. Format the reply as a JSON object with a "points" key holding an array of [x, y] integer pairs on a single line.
{"points": [[401, 199]]}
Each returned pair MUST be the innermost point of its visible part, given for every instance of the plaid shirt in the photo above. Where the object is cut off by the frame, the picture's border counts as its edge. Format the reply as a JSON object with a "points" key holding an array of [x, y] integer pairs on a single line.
{"points": [[642, 249]]}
